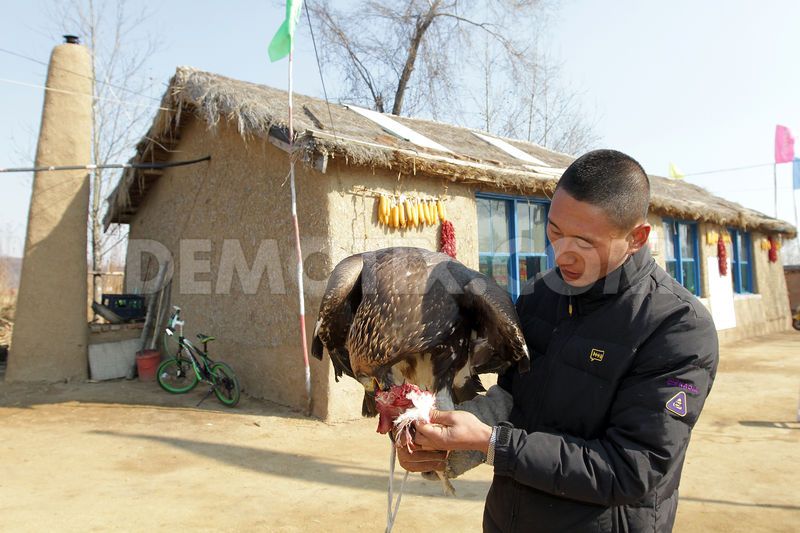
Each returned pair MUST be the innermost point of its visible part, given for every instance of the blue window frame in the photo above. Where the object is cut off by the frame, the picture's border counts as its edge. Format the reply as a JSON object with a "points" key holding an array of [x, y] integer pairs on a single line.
{"points": [[682, 254], [512, 239], [741, 263]]}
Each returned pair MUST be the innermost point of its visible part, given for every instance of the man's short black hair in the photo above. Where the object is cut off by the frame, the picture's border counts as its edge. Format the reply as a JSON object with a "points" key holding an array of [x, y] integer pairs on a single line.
{"points": [[612, 181]]}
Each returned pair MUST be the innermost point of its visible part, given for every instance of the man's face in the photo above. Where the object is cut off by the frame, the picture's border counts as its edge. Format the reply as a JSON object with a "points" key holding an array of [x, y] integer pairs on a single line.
{"points": [[587, 245]]}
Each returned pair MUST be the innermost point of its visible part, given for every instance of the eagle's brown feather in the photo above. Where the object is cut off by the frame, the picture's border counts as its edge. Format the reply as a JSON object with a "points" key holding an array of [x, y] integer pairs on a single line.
{"points": [[387, 312]]}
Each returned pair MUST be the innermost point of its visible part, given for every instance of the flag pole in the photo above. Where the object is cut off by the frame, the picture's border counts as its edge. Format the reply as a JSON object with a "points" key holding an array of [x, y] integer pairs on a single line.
{"points": [[775, 185], [300, 291]]}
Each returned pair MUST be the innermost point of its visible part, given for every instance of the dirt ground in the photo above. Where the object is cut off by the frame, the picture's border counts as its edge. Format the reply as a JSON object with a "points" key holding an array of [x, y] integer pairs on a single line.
{"points": [[125, 456]]}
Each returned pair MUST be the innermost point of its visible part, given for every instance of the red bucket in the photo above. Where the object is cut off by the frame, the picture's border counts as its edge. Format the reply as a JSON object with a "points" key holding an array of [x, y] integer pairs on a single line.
{"points": [[147, 363]]}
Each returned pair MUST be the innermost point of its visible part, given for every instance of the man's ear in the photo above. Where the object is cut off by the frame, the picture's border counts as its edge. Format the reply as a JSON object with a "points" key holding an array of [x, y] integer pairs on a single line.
{"points": [[639, 237]]}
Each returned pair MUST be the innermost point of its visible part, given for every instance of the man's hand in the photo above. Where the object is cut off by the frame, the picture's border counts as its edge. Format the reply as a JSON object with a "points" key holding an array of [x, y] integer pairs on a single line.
{"points": [[421, 460], [452, 430], [448, 430]]}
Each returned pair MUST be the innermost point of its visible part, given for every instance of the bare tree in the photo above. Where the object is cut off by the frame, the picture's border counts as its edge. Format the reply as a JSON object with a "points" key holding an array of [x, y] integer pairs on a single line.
{"points": [[379, 45], [545, 112], [461, 61], [122, 99]]}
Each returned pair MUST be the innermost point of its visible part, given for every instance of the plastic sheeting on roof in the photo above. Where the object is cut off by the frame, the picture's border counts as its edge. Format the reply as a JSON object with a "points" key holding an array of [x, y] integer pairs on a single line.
{"points": [[513, 151], [398, 130]]}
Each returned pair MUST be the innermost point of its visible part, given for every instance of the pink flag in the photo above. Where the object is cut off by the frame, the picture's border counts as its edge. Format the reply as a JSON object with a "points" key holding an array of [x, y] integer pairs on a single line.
{"points": [[784, 145]]}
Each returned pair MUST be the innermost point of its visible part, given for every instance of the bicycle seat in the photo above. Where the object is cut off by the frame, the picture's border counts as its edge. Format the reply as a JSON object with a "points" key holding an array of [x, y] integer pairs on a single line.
{"points": [[205, 338]]}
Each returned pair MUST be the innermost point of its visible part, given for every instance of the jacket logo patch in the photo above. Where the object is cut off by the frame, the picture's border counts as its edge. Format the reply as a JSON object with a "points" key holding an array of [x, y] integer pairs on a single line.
{"points": [[688, 387], [596, 355], [677, 404]]}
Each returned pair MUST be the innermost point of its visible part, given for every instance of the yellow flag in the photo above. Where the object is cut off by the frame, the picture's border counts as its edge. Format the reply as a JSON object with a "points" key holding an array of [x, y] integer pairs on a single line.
{"points": [[674, 173]]}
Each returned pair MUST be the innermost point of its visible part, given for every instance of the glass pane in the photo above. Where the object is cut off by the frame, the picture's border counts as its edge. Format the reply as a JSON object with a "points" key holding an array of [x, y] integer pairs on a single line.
{"points": [[495, 267], [539, 228], [525, 226], [669, 244], [484, 226], [500, 236], [671, 269], [686, 240], [741, 244], [530, 266], [689, 280], [743, 272], [500, 270], [531, 222], [485, 265]]}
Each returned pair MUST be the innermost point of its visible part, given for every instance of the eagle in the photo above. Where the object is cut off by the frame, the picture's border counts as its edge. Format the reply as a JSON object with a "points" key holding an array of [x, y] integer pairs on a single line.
{"points": [[405, 315]]}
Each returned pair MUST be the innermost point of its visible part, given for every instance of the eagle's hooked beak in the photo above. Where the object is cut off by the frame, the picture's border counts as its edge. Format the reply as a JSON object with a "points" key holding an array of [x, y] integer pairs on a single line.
{"points": [[373, 385]]}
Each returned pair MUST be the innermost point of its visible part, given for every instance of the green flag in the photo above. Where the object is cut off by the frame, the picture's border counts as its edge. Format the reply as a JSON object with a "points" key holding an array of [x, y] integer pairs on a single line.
{"points": [[282, 43]]}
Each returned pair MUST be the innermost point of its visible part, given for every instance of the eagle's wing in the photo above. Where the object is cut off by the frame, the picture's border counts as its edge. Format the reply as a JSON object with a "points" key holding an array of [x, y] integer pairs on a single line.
{"points": [[339, 303], [495, 318]]}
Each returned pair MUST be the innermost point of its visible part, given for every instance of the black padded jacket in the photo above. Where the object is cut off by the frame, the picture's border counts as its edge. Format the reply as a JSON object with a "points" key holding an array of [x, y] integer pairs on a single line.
{"points": [[620, 372]]}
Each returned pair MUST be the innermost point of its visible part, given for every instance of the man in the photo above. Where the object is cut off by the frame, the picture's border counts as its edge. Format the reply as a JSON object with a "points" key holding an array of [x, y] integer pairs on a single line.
{"points": [[623, 358]]}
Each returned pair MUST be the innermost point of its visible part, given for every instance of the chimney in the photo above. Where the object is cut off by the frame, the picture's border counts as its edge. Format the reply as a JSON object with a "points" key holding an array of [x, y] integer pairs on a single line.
{"points": [[50, 333]]}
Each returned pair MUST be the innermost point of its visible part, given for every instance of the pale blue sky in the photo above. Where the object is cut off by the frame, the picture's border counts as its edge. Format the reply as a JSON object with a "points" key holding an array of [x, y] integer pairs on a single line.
{"points": [[698, 83]]}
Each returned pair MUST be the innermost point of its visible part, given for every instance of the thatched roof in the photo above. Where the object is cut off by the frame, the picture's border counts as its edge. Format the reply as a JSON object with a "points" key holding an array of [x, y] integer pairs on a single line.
{"points": [[324, 131]]}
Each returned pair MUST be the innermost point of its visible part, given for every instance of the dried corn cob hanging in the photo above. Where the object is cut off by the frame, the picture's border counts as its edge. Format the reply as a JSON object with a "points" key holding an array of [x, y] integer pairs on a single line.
{"points": [[401, 208], [409, 214], [383, 209], [394, 219]]}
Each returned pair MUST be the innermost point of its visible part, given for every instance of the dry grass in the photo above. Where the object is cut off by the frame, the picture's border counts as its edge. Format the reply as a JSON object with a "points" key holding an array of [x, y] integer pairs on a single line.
{"points": [[258, 111]]}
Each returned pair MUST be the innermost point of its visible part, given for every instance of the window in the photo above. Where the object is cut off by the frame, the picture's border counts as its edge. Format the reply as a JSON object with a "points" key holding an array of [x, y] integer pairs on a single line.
{"points": [[494, 246], [531, 239], [681, 253], [512, 261], [741, 262]]}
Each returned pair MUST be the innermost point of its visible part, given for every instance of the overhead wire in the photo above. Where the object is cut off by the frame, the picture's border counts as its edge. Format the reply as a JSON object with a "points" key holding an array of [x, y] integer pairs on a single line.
{"points": [[321, 77], [58, 67], [732, 169], [151, 166], [111, 87], [104, 98]]}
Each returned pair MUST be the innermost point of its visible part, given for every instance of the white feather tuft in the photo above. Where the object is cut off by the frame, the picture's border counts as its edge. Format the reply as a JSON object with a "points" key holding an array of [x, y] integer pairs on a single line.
{"points": [[424, 402]]}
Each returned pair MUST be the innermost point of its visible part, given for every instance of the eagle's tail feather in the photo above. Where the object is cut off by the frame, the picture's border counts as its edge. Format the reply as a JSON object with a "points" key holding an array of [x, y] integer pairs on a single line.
{"points": [[447, 487]]}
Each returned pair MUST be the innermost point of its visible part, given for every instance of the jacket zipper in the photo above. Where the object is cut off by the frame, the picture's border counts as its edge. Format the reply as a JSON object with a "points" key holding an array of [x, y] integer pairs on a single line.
{"points": [[550, 361], [515, 506]]}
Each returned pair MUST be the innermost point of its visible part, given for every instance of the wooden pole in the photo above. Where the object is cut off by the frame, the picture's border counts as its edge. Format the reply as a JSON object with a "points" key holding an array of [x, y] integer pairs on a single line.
{"points": [[775, 186], [300, 291]]}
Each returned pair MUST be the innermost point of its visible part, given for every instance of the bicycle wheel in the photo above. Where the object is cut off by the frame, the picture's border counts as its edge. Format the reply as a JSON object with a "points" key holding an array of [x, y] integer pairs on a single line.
{"points": [[176, 375], [226, 384]]}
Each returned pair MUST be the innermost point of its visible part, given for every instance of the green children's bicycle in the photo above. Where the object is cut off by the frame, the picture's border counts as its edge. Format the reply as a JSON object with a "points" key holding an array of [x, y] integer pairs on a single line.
{"points": [[190, 366]]}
